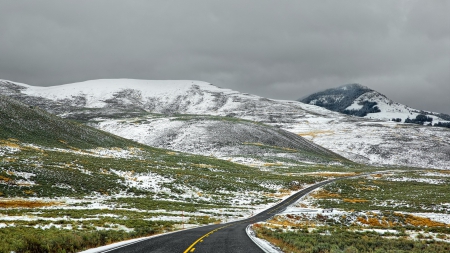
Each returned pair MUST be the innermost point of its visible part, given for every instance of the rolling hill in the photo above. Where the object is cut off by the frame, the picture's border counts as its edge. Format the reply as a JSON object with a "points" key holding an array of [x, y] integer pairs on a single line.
{"points": [[65, 186]]}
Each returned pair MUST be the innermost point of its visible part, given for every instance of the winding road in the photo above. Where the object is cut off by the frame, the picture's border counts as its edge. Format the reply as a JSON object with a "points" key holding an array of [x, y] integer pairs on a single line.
{"points": [[229, 237]]}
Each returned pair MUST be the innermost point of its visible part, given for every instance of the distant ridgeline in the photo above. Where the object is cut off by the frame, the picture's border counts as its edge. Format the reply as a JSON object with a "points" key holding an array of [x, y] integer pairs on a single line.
{"points": [[341, 98], [359, 100]]}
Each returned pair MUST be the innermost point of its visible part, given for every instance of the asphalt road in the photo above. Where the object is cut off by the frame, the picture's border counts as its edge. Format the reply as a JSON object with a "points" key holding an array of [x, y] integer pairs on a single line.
{"points": [[229, 237]]}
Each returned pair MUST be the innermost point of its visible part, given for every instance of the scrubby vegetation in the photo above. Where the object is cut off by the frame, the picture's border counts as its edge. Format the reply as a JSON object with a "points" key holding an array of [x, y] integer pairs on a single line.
{"points": [[80, 187], [375, 213], [390, 192], [337, 240]]}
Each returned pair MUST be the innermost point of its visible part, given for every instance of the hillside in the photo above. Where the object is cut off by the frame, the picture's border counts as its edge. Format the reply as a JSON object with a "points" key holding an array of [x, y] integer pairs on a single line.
{"points": [[66, 186], [116, 102], [33, 125], [123, 106], [228, 138], [359, 100]]}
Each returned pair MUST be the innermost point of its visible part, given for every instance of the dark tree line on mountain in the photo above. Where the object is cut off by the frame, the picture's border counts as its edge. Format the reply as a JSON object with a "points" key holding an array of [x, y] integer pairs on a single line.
{"points": [[424, 120], [368, 107], [336, 99], [420, 119], [442, 124]]}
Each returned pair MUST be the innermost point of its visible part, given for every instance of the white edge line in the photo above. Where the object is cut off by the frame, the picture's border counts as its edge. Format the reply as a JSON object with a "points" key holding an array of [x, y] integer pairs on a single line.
{"points": [[264, 245]]}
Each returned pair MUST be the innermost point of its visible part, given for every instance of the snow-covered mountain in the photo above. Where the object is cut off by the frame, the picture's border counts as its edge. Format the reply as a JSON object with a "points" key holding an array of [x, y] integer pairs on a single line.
{"points": [[147, 111], [151, 112], [359, 100]]}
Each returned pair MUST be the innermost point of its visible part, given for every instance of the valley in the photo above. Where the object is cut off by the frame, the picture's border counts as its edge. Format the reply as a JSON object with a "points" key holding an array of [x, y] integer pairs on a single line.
{"points": [[89, 164]]}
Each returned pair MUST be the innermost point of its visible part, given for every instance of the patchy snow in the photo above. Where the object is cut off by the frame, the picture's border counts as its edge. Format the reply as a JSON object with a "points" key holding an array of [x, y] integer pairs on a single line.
{"points": [[419, 180], [263, 244], [362, 140], [145, 181]]}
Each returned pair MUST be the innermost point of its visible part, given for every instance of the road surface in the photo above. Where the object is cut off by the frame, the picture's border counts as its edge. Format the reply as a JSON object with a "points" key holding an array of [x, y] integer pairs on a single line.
{"points": [[226, 238]]}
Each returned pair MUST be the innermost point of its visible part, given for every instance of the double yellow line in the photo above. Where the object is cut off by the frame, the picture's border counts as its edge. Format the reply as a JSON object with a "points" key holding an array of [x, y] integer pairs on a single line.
{"points": [[192, 249]]}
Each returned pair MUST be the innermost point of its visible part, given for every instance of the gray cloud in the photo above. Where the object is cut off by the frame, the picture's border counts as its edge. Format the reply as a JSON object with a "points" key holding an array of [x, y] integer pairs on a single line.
{"points": [[281, 50]]}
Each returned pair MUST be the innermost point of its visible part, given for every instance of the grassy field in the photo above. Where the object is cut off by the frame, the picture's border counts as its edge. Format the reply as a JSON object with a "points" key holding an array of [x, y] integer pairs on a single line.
{"points": [[395, 211]]}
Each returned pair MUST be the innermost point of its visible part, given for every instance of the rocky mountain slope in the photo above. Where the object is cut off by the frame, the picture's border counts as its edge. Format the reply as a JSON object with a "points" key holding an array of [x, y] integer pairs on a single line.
{"points": [[359, 100], [127, 107]]}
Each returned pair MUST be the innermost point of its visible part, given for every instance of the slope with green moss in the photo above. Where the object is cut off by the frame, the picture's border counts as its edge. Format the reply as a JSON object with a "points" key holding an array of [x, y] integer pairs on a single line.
{"points": [[70, 187], [33, 125]]}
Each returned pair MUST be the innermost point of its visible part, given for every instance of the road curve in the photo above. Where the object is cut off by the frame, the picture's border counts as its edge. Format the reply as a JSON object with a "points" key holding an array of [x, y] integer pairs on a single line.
{"points": [[229, 237]]}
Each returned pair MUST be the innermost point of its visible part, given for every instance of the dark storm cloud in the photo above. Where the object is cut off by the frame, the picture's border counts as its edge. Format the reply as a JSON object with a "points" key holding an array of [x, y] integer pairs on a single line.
{"points": [[282, 49]]}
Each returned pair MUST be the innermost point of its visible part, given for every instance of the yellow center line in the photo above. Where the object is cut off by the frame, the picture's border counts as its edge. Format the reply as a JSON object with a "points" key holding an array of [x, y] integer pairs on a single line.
{"points": [[191, 248]]}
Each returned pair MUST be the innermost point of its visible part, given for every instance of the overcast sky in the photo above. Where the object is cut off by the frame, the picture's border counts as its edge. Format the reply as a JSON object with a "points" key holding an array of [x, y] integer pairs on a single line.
{"points": [[276, 49]]}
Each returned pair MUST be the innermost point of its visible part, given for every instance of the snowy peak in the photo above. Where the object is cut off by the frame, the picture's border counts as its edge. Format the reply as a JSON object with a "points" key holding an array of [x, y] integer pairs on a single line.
{"points": [[337, 99], [359, 100], [128, 98], [158, 96], [103, 92], [353, 86]]}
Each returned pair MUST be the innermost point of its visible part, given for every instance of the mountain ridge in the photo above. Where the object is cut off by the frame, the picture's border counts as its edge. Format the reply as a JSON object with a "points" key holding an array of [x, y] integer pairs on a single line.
{"points": [[361, 101], [365, 140]]}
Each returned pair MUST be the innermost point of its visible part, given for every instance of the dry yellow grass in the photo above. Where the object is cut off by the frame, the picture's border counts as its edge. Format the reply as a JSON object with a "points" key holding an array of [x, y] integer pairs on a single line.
{"points": [[355, 200], [23, 203], [376, 222], [323, 194], [314, 133], [423, 222], [8, 143], [5, 179]]}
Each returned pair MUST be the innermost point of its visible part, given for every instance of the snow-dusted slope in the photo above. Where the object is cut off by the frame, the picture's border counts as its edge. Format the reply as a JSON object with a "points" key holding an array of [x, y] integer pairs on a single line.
{"points": [[224, 137], [359, 100], [175, 96], [124, 106]]}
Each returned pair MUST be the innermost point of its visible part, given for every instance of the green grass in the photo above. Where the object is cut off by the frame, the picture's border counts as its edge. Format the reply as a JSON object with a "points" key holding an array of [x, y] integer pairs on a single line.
{"points": [[336, 240], [33, 125], [383, 194]]}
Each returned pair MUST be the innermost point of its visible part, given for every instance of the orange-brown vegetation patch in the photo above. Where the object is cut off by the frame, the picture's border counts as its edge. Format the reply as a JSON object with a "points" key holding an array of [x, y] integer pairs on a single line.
{"points": [[355, 200], [377, 175], [23, 203], [9, 143], [5, 179], [376, 222], [422, 221], [323, 194]]}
